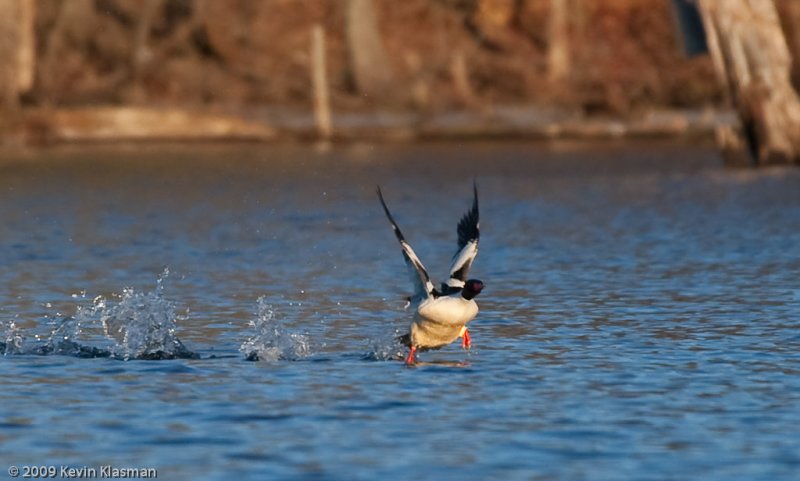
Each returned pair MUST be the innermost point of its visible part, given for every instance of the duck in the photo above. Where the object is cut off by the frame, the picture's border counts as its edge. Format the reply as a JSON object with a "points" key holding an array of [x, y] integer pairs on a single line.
{"points": [[441, 313]]}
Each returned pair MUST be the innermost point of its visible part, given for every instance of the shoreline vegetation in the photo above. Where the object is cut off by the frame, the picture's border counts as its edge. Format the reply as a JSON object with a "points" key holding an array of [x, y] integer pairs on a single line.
{"points": [[341, 70]]}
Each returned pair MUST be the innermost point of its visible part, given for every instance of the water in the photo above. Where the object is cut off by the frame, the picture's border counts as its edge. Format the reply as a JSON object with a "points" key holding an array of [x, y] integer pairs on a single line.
{"points": [[640, 319]]}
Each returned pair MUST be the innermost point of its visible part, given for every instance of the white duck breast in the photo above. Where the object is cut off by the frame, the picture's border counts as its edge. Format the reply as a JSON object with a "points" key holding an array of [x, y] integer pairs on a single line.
{"points": [[448, 310], [442, 320]]}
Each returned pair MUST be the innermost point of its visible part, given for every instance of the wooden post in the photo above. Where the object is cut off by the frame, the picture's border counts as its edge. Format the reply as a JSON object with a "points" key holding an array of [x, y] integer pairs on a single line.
{"points": [[319, 80], [753, 63], [558, 42]]}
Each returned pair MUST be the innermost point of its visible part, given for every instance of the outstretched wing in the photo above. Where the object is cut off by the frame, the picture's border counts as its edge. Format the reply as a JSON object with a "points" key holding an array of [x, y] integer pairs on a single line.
{"points": [[468, 237], [423, 287]]}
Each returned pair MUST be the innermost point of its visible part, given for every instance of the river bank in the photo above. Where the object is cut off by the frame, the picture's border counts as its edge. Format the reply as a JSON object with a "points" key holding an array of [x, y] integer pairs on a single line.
{"points": [[42, 126]]}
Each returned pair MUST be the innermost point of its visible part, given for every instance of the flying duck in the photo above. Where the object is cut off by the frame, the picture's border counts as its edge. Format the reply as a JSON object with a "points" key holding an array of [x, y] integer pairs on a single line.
{"points": [[441, 315]]}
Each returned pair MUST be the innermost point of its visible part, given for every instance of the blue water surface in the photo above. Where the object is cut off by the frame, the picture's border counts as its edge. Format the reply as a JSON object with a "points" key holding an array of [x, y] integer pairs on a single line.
{"points": [[641, 318]]}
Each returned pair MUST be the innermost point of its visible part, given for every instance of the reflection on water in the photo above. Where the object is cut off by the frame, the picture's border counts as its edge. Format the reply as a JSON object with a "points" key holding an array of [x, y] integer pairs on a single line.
{"points": [[640, 319]]}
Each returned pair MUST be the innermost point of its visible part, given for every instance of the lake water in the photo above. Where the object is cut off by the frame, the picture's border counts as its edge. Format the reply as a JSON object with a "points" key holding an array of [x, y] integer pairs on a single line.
{"points": [[641, 317]]}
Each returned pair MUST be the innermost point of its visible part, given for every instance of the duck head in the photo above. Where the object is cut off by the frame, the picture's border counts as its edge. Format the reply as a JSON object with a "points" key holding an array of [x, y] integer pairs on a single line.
{"points": [[472, 288]]}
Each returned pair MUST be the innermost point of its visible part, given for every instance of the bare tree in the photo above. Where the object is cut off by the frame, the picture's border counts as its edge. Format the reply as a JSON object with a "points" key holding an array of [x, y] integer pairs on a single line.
{"points": [[319, 80], [73, 24], [753, 63], [141, 54], [558, 58], [369, 62], [17, 49]]}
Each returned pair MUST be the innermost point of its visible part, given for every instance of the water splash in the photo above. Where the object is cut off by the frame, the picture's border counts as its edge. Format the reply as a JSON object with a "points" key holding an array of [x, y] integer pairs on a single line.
{"points": [[11, 338], [78, 335], [135, 325], [142, 324], [272, 340], [385, 348]]}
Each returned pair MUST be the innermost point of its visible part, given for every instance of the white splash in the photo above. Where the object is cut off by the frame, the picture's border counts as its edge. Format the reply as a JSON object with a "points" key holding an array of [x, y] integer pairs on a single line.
{"points": [[142, 324], [12, 338], [272, 340], [137, 325], [385, 348], [64, 338]]}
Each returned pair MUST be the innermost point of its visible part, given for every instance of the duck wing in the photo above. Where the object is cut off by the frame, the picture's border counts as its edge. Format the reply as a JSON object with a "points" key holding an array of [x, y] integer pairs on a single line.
{"points": [[468, 237], [423, 287]]}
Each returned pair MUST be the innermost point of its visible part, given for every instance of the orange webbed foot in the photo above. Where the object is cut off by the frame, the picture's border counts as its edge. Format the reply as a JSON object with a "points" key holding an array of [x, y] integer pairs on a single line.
{"points": [[411, 359], [466, 340]]}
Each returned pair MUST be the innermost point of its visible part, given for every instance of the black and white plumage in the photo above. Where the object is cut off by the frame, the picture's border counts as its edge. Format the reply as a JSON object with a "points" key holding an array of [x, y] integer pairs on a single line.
{"points": [[441, 316], [468, 237]]}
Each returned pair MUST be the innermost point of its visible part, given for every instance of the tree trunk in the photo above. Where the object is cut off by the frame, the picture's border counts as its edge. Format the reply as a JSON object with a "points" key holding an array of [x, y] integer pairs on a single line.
{"points": [[73, 22], [460, 74], [558, 42], [789, 13], [319, 80], [141, 54], [369, 62], [753, 62], [17, 50]]}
